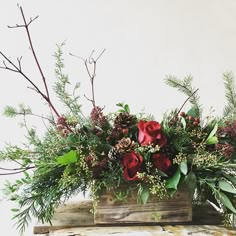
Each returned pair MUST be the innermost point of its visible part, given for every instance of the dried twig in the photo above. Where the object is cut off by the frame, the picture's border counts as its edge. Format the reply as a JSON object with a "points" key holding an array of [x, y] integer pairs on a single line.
{"points": [[18, 68], [91, 73]]}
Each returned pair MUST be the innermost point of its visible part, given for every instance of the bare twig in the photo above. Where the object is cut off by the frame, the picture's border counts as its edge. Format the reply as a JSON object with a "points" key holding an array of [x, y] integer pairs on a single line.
{"points": [[186, 101], [19, 171], [18, 68], [91, 73]]}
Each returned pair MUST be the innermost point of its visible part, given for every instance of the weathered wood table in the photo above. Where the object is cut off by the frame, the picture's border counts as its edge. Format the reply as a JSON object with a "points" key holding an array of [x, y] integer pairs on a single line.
{"points": [[76, 219]]}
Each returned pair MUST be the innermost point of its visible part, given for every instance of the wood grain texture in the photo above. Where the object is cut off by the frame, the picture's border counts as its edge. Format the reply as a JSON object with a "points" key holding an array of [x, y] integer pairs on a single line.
{"points": [[168, 230], [111, 211], [78, 214]]}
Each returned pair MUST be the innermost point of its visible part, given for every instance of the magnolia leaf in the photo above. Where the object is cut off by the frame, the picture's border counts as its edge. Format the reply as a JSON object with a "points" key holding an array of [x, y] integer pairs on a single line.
{"points": [[174, 180], [226, 201], [144, 195], [183, 167], [212, 140], [227, 187], [68, 158]]}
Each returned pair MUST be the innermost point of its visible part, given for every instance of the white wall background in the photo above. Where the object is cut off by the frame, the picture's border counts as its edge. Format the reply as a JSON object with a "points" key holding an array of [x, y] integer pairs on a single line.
{"points": [[144, 41]]}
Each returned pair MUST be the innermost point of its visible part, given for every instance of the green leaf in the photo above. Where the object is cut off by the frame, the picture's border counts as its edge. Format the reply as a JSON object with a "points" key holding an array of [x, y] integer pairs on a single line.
{"points": [[226, 201], [144, 195], [172, 192], [72, 139], [68, 158], [212, 140], [126, 108], [227, 187], [14, 210], [231, 178], [183, 122], [174, 180], [192, 112], [191, 181], [183, 167]]}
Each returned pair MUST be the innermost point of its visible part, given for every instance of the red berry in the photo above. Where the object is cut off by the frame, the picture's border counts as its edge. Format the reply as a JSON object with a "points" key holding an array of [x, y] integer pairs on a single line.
{"points": [[195, 123], [182, 113], [125, 131], [190, 118], [197, 119]]}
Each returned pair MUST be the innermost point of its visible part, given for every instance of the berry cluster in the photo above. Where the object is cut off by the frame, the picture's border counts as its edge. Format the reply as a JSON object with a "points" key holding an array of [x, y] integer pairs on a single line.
{"points": [[190, 120]]}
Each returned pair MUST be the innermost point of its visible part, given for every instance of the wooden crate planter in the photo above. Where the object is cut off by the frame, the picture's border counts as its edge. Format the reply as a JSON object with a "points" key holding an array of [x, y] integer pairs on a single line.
{"points": [[175, 210]]}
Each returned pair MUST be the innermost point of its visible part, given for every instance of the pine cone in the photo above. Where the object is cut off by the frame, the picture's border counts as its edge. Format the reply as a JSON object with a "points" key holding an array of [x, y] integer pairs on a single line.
{"points": [[113, 154], [125, 145], [124, 120], [99, 168]]}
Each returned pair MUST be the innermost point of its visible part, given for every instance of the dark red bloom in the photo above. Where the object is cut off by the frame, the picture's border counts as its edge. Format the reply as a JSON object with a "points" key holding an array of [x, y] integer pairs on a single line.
{"points": [[132, 163], [226, 150], [150, 133], [161, 161]]}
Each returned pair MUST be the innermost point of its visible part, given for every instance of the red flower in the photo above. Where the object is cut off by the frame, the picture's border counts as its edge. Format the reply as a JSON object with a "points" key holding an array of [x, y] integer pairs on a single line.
{"points": [[150, 133], [161, 161], [132, 164]]}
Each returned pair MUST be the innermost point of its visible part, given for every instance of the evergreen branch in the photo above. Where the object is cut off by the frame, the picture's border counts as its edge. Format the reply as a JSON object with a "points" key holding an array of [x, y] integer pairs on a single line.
{"points": [[60, 87], [185, 86], [230, 94]]}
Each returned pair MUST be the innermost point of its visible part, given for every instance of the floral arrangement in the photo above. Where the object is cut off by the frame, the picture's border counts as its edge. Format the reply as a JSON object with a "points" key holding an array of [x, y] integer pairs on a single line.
{"points": [[105, 151]]}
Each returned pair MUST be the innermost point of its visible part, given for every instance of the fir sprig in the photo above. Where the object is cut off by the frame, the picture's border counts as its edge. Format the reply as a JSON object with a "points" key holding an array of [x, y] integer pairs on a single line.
{"points": [[230, 94], [185, 86]]}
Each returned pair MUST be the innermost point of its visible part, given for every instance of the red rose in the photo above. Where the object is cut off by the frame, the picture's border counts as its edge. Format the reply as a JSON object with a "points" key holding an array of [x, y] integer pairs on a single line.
{"points": [[150, 133], [132, 164], [161, 161]]}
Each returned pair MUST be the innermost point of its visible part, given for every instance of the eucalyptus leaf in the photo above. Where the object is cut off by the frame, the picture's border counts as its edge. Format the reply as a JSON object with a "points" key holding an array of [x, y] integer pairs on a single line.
{"points": [[183, 122], [227, 187], [174, 180], [231, 178], [144, 195], [183, 167], [191, 181], [226, 201]]}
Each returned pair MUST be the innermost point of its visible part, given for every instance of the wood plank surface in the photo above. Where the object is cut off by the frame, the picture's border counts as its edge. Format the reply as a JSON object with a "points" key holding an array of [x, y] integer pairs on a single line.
{"points": [[78, 214], [170, 230], [111, 211]]}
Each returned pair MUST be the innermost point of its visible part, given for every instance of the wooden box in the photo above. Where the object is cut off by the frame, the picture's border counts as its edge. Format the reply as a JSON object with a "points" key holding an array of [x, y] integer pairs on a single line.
{"points": [[174, 210]]}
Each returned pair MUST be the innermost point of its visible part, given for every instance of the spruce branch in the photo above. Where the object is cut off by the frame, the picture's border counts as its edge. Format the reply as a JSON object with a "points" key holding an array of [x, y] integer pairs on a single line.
{"points": [[185, 86], [230, 94]]}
